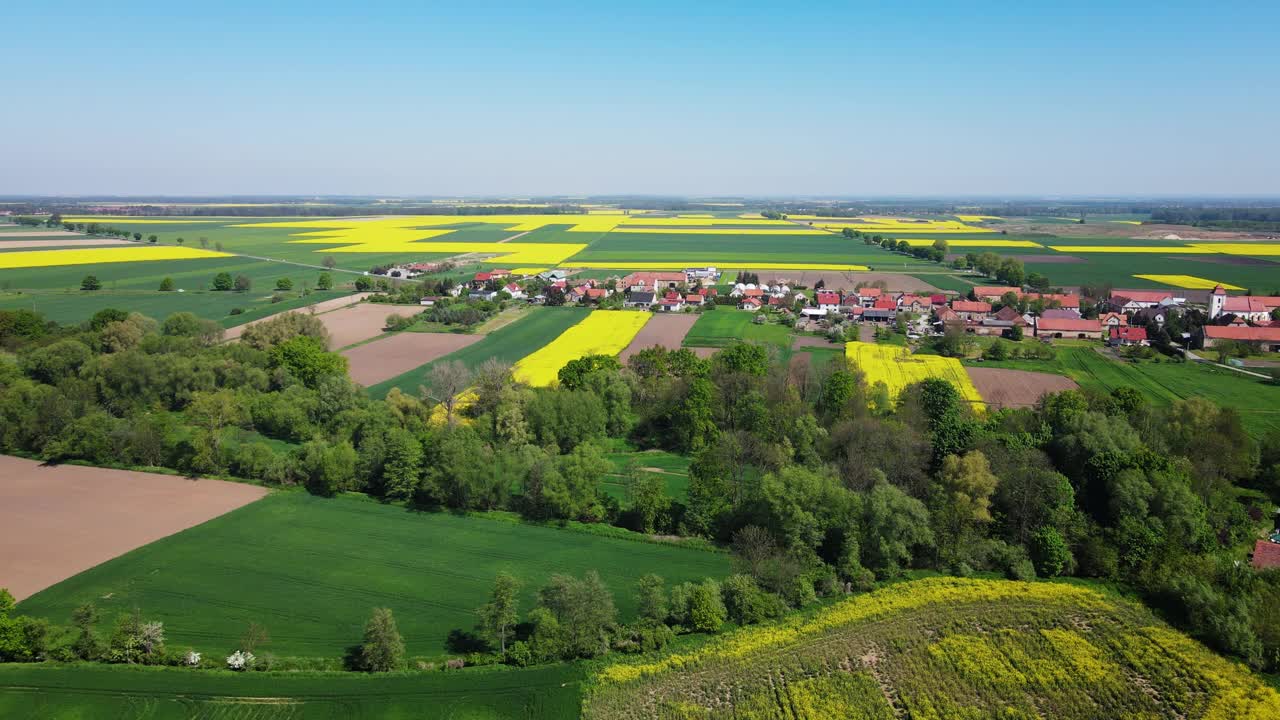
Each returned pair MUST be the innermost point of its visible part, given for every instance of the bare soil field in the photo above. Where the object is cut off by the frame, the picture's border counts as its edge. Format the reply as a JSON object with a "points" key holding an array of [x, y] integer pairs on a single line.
{"points": [[384, 359], [836, 280], [350, 325], [316, 309], [704, 352], [804, 341], [56, 521], [1016, 388], [665, 330], [69, 241]]}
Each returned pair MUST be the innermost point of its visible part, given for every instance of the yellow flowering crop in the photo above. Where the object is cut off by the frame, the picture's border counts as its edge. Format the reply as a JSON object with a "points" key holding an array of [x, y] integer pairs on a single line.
{"points": [[977, 218], [96, 256], [1240, 248], [790, 229], [897, 368], [1190, 282], [1127, 222], [603, 332]]}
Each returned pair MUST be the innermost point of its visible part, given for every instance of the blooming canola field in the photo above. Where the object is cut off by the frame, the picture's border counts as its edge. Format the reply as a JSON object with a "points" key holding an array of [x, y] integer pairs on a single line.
{"points": [[96, 256], [897, 368], [603, 332]]}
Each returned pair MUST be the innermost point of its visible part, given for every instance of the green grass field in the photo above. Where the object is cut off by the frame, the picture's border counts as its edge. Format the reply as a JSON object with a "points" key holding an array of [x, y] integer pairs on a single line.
{"points": [[1165, 382], [83, 692], [74, 306], [673, 468], [737, 251], [311, 569], [723, 327], [540, 326]]}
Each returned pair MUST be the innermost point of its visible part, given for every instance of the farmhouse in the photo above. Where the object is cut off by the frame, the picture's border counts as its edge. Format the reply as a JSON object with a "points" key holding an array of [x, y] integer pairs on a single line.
{"points": [[971, 311], [1082, 329], [1111, 319], [638, 299], [1063, 300], [913, 303], [868, 296], [653, 281], [827, 302], [992, 293], [750, 303], [879, 315], [1127, 335], [1268, 338], [515, 291], [1134, 300]]}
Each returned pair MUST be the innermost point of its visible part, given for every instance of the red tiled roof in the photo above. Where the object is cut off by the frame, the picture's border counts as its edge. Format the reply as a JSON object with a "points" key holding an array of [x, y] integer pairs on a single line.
{"points": [[1066, 300], [1119, 316], [1237, 332], [994, 291], [1244, 304], [483, 276], [694, 297], [750, 301], [938, 299], [869, 292], [1144, 296], [1132, 334], [1054, 325], [1061, 314], [828, 298], [752, 292], [970, 306], [886, 303], [597, 293], [911, 299], [1266, 554]]}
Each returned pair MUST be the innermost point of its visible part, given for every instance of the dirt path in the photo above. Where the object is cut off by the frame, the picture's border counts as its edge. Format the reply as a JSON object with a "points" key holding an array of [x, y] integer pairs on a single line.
{"points": [[514, 237], [61, 520], [315, 309], [383, 359]]}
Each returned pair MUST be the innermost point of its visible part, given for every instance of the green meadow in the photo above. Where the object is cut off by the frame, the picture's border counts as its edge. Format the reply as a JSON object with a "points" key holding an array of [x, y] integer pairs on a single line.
{"points": [[311, 569], [723, 327]]}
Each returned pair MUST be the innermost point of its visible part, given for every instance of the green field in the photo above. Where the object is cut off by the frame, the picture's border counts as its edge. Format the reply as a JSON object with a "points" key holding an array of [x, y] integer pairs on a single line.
{"points": [[81, 692], [942, 648], [540, 326], [673, 468], [74, 306], [723, 327], [311, 569], [738, 251], [1164, 382]]}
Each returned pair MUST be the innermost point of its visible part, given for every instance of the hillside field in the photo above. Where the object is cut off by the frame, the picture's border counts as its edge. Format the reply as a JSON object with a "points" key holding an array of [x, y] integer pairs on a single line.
{"points": [[943, 648], [311, 569]]}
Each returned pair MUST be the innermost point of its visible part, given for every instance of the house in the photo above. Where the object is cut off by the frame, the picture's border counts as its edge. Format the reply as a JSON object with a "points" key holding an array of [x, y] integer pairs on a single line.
{"points": [[1133, 300], [937, 299], [913, 303], [1127, 335], [428, 301], [639, 299], [878, 315], [1252, 308], [813, 312], [869, 295], [850, 302], [553, 275], [992, 293], [1266, 553], [1001, 323], [1064, 300], [1065, 314], [750, 303], [694, 299], [947, 318], [597, 294], [576, 294], [970, 310], [1268, 338], [653, 281], [884, 302], [1081, 329], [827, 302], [481, 279], [1146, 316], [1111, 319], [515, 291], [499, 273], [707, 273]]}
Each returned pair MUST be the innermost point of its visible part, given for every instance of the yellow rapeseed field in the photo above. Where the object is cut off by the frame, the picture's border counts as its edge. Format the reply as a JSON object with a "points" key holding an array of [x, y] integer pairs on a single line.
{"points": [[1260, 249], [746, 265], [1127, 222], [1189, 282], [95, 256], [897, 368], [789, 230], [977, 218], [603, 332]]}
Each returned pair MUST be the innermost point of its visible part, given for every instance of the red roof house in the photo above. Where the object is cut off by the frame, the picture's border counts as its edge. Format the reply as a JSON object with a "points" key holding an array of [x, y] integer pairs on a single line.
{"points": [[1266, 555], [1128, 335], [1063, 328]]}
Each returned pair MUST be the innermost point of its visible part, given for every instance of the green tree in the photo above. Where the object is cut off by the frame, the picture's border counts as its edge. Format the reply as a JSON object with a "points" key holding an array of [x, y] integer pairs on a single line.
{"points": [[649, 501], [499, 616], [1049, 552], [284, 284], [382, 649], [584, 613], [651, 598], [966, 485], [90, 283], [242, 283], [306, 359], [576, 374], [325, 281], [706, 608], [223, 281], [152, 239], [137, 237], [166, 285]]}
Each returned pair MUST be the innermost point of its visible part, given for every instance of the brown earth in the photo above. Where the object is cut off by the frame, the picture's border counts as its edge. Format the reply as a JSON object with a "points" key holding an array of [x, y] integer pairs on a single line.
{"points": [[667, 330], [704, 352], [1003, 388], [837, 280], [316, 309], [70, 241], [56, 521], [804, 341], [384, 359], [351, 325]]}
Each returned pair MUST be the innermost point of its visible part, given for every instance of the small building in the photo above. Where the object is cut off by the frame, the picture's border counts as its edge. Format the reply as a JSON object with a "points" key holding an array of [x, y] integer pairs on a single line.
{"points": [[750, 303], [971, 311], [429, 301], [879, 315], [515, 291], [1133, 300], [1266, 553], [1267, 338], [868, 296], [1111, 319], [1127, 335], [913, 303], [827, 302], [639, 299]]}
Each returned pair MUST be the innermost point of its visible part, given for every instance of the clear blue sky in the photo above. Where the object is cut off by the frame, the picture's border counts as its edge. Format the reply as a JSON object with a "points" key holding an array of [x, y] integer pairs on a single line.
{"points": [[849, 98]]}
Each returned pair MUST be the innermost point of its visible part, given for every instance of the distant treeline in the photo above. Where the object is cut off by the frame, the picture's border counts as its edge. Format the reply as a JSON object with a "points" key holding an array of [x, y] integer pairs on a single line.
{"points": [[1263, 218]]}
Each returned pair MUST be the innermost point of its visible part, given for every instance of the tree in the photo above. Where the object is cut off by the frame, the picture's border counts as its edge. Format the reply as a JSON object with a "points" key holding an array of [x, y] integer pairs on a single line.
{"points": [[940, 244], [448, 380], [306, 359], [90, 283], [87, 645], [271, 332], [137, 237], [223, 281], [166, 285], [649, 501], [966, 485], [180, 241], [152, 239], [243, 283], [499, 616], [329, 262], [383, 648], [706, 608], [584, 613], [204, 242], [255, 636], [577, 373], [651, 598], [284, 284], [1049, 552], [325, 281]]}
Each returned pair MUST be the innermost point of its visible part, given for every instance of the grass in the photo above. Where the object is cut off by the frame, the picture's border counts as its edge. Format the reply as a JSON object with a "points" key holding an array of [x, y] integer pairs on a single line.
{"points": [[36, 692], [311, 569], [942, 648], [673, 468], [722, 328], [74, 306], [536, 328]]}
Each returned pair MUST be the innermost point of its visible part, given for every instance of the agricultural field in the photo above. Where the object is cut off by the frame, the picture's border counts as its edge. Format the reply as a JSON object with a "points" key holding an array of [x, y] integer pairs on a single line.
{"points": [[1005, 388], [942, 648], [897, 368], [723, 327], [666, 330], [318, 565], [673, 468], [603, 332], [131, 693], [508, 344], [385, 358]]}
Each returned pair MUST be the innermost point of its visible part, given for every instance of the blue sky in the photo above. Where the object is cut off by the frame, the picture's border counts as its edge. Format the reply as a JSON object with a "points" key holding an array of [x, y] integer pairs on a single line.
{"points": [[850, 98]]}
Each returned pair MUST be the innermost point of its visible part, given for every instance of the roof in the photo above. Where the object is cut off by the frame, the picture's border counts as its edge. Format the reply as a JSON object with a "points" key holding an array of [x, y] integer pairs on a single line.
{"points": [[1107, 316], [649, 278], [750, 301], [1067, 300], [869, 292], [1245, 333], [1131, 333], [640, 297], [1266, 554], [828, 298], [1054, 325], [693, 297], [970, 306], [886, 303], [597, 293], [938, 299], [1244, 304], [483, 276], [995, 291], [1144, 296], [1062, 314], [1011, 315], [912, 299], [753, 292], [852, 300]]}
